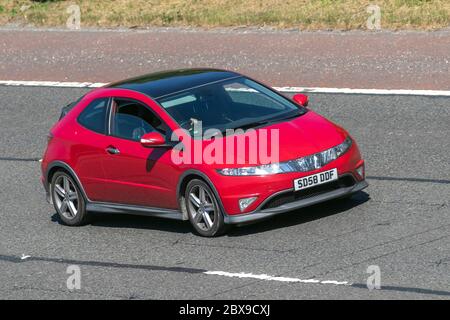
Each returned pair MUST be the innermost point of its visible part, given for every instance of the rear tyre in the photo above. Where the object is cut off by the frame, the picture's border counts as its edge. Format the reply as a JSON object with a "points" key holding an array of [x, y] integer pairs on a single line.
{"points": [[68, 200], [203, 209]]}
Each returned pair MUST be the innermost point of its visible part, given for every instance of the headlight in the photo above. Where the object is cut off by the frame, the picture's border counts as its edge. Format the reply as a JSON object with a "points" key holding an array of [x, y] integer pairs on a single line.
{"points": [[303, 164]]}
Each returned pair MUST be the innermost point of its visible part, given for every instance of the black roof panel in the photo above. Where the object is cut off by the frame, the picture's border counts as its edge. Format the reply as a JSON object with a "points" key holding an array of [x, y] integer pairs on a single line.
{"points": [[164, 83]]}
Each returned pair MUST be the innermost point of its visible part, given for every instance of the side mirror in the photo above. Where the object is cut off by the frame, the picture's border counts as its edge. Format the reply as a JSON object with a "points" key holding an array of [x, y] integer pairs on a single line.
{"points": [[153, 140], [301, 99]]}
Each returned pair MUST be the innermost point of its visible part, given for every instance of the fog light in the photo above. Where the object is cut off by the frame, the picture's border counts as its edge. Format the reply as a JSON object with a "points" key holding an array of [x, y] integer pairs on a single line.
{"points": [[245, 202], [360, 171]]}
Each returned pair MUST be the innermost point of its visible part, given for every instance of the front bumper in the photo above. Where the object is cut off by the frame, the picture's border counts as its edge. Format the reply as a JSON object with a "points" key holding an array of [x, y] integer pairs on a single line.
{"points": [[261, 214]]}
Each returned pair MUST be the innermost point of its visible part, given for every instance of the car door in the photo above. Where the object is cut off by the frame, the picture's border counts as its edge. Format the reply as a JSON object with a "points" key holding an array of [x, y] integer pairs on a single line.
{"points": [[137, 175], [89, 146]]}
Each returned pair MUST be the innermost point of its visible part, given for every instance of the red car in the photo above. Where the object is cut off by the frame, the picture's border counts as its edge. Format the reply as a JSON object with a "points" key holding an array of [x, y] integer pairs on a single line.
{"points": [[127, 148]]}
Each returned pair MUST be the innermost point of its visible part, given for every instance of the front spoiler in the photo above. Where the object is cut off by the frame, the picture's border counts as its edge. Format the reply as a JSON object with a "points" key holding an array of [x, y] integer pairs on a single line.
{"points": [[267, 213]]}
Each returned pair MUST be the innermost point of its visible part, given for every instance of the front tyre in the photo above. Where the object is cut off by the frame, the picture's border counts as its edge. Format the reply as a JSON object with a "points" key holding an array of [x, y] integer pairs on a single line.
{"points": [[203, 209], [68, 200]]}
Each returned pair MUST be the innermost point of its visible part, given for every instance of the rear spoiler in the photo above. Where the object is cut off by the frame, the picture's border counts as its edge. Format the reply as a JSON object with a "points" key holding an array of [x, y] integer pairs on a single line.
{"points": [[65, 110]]}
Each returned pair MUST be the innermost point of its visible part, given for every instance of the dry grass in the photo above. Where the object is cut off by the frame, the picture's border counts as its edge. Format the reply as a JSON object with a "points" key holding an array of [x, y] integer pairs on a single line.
{"points": [[306, 15]]}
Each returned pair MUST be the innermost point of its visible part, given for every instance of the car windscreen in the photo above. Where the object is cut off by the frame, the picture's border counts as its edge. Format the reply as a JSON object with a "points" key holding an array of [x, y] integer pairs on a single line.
{"points": [[229, 104]]}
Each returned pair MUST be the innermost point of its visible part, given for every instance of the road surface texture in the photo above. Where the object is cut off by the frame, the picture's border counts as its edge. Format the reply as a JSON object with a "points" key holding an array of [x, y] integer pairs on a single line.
{"points": [[401, 223], [375, 60]]}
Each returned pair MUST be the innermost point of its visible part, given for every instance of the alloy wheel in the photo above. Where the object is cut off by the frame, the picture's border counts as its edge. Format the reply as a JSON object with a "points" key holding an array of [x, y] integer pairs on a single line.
{"points": [[201, 207], [65, 196]]}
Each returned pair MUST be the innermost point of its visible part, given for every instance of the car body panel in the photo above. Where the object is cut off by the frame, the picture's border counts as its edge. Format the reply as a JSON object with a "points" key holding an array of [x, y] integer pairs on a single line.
{"points": [[140, 176]]}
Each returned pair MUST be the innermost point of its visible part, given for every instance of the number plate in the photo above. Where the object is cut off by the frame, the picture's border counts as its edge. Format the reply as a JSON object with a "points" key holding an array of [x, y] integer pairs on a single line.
{"points": [[315, 179]]}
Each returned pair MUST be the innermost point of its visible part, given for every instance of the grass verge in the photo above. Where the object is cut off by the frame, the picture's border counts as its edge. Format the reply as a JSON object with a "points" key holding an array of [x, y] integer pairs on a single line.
{"points": [[301, 14]]}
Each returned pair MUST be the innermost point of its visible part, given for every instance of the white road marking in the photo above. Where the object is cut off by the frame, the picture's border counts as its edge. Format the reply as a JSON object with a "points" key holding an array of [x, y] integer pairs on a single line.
{"points": [[59, 84], [441, 93], [275, 278], [56, 84]]}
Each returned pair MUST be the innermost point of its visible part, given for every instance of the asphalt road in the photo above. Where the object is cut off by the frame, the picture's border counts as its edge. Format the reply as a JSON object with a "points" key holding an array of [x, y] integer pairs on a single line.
{"points": [[374, 60], [401, 223]]}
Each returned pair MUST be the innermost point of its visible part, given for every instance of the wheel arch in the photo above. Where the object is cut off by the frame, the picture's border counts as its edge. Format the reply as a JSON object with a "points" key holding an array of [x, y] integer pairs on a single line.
{"points": [[183, 182], [56, 166]]}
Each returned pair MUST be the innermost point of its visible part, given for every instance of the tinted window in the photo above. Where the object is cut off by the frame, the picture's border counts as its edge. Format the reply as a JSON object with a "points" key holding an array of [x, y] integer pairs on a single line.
{"points": [[93, 116], [242, 94], [132, 120], [229, 104]]}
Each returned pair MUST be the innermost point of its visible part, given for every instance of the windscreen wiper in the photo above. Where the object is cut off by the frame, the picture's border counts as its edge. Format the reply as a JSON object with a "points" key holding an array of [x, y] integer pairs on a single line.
{"points": [[253, 124], [295, 114], [272, 120]]}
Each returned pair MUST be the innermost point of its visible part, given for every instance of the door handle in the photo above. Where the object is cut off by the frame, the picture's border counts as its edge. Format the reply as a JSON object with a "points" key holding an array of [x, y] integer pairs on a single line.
{"points": [[112, 150]]}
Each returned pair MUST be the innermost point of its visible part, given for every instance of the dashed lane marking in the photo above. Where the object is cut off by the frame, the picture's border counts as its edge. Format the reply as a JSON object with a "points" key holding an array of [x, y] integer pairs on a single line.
{"points": [[275, 278]]}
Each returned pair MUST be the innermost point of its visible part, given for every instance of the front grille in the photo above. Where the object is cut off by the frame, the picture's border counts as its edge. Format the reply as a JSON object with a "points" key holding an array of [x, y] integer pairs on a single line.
{"points": [[291, 196]]}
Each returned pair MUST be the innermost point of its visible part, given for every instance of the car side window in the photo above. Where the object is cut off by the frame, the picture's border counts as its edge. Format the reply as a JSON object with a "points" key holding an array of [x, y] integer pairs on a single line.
{"points": [[93, 117], [131, 120]]}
